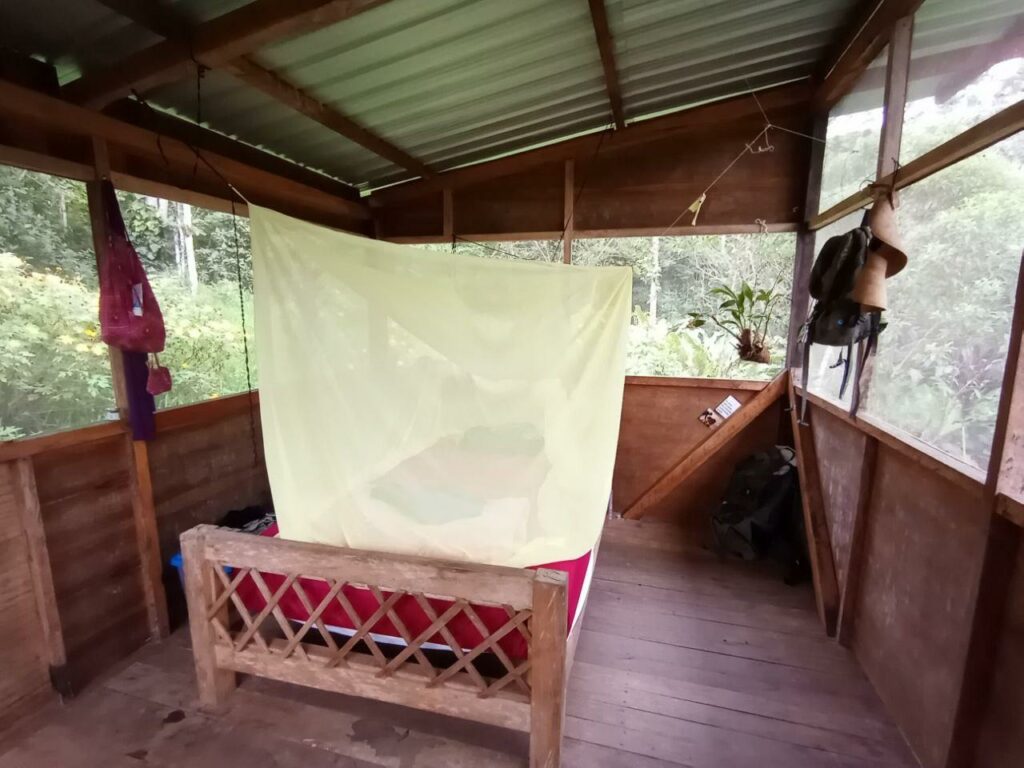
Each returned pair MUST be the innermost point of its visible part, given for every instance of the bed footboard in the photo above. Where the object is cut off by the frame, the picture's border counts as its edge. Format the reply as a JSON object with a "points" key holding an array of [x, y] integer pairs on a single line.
{"points": [[228, 638]]}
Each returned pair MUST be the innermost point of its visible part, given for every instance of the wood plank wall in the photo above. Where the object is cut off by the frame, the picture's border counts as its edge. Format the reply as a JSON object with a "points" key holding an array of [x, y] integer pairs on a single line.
{"points": [[202, 465], [659, 427], [24, 669], [923, 544], [203, 470], [1001, 743], [85, 498], [635, 189]]}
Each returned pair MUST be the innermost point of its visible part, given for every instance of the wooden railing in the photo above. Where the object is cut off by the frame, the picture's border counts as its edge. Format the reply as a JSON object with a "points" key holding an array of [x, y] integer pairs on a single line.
{"points": [[232, 634]]}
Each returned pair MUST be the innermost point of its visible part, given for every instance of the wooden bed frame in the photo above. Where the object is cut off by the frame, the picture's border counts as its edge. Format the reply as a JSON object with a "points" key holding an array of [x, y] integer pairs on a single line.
{"points": [[528, 695]]}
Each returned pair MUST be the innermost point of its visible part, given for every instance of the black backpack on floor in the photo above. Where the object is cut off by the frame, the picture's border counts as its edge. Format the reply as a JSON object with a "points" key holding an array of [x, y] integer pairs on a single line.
{"points": [[760, 515]]}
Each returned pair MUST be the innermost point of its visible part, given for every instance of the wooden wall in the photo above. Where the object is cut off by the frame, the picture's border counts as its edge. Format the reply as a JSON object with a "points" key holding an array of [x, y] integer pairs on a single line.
{"points": [[85, 499], [204, 469], [923, 545], [24, 668], [636, 181], [201, 465], [659, 427], [1001, 744]]}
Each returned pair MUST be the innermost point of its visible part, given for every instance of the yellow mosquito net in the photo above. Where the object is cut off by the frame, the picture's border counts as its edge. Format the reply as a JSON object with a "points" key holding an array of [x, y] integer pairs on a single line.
{"points": [[424, 402]]}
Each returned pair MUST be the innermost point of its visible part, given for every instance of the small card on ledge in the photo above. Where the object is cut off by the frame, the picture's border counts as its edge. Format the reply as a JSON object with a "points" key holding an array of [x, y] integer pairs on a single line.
{"points": [[727, 407]]}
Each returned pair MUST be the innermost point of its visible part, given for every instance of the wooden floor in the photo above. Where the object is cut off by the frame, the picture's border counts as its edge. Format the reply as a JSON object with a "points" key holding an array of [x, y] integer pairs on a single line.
{"points": [[684, 660]]}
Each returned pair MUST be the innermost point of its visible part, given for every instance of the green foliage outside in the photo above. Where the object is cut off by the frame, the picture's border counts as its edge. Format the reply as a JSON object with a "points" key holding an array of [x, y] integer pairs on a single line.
{"points": [[54, 369], [940, 361], [673, 279]]}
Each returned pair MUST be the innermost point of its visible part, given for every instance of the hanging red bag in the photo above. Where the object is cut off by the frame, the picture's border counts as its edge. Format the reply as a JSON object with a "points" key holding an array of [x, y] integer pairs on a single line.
{"points": [[130, 317], [159, 379]]}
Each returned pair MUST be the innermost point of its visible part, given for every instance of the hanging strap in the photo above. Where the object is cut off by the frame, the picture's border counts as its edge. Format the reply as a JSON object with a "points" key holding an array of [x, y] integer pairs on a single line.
{"points": [[846, 370], [865, 352], [804, 374]]}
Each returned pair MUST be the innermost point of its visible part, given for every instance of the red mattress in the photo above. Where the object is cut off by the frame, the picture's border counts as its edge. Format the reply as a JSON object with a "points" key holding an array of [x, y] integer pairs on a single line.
{"points": [[407, 609]]}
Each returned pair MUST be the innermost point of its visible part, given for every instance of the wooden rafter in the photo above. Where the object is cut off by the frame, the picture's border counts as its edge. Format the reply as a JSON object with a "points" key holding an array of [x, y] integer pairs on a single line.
{"points": [[285, 92], [212, 43], [169, 23], [54, 115], [136, 113], [860, 41], [606, 45]]}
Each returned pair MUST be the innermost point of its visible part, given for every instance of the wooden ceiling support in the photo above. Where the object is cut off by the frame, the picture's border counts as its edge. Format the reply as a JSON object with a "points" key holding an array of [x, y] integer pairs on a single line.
{"points": [[151, 149], [861, 40], [606, 46], [166, 124], [777, 101], [279, 89], [169, 23], [215, 42]]}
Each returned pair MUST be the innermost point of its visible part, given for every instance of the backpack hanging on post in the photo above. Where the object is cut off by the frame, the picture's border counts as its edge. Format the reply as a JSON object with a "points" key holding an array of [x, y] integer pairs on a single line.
{"points": [[848, 285]]}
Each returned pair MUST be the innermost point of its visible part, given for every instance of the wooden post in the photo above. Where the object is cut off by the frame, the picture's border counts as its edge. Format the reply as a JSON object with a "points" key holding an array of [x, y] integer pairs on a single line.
{"points": [[851, 585], [42, 574], [897, 74], [819, 545], [201, 589], [547, 668], [98, 223], [147, 540], [804, 258], [448, 216], [1005, 471], [143, 508], [568, 210]]}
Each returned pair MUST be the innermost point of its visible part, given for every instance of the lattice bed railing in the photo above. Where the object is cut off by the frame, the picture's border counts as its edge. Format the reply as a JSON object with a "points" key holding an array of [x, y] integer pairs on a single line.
{"points": [[237, 584]]}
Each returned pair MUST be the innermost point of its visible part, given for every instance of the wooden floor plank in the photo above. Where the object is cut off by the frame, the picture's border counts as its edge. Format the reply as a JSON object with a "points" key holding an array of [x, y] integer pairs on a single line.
{"points": [[736, 715], [684, 660]]}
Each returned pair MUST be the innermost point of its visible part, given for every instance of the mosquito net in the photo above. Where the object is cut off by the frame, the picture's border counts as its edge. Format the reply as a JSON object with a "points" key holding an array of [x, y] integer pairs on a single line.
{"points": [[432, 403]]}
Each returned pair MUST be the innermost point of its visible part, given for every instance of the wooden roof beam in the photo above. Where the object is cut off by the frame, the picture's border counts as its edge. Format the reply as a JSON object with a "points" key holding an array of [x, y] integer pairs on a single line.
{"points": [[860, 41], [164, 20], [215, 42], [606, 45], [279, 89], [263, 187]]}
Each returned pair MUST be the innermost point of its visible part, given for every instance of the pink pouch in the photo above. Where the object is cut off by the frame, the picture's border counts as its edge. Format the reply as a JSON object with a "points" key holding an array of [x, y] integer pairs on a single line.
{"points": [[159, 379]]}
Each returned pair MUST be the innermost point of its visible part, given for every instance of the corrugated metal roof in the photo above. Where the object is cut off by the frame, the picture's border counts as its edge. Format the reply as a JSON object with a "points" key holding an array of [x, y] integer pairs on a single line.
{"points": [[674, 54], [944, 29], [453, 82]]}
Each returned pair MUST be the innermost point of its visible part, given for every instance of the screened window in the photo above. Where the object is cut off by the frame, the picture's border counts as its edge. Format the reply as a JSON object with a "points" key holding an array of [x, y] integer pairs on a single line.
{"points": [[189, 254], [940, 361], [966, 65], [676, 276], [54, 370], [852, 136]]}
